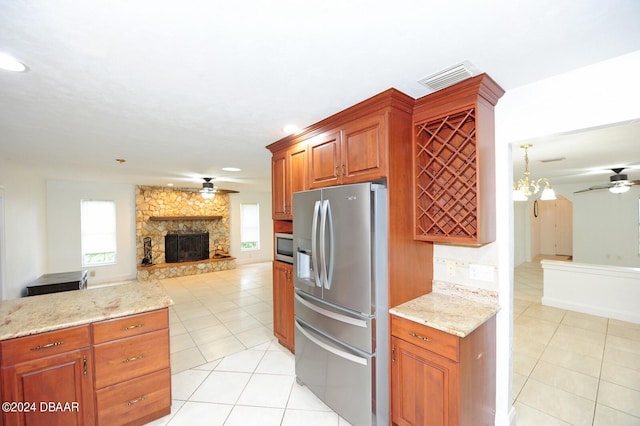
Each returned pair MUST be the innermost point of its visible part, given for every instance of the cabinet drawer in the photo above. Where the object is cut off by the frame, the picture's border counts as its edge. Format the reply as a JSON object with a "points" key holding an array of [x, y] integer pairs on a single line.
{"points": [[131, 325], [146, 397], [41, 345], [436, 341], [125, 359]]}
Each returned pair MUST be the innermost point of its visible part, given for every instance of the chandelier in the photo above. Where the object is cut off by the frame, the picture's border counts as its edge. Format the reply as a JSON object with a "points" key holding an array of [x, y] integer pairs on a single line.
{"points": [[523, 188]]}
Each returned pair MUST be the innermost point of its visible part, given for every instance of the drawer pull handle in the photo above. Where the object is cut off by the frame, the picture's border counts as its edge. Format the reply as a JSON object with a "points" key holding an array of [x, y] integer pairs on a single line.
{"points": [[131, 327], [48, 345], [417, 336], [135, 401], [135, 358]]}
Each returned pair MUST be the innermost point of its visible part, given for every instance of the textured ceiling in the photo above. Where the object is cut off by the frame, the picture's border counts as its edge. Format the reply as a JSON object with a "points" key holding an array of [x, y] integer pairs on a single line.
{"points": [[181, 89]]}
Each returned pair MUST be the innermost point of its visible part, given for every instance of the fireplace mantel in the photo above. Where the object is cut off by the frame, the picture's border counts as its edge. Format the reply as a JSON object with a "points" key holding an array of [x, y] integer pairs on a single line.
{"points": [[159, 218]]}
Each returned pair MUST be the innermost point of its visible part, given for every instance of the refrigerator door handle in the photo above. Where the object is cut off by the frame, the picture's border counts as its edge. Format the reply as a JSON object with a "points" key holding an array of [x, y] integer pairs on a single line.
{"points": [[314, 245], [327, 258], [330, 314], [329, 348]]}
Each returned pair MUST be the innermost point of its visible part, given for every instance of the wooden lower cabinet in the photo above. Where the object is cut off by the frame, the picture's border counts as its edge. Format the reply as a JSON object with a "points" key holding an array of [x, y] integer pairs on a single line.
{"points": [[113, 372], [47, 379], [441, 379], [132, 368], [283, 312], [136, 401]]}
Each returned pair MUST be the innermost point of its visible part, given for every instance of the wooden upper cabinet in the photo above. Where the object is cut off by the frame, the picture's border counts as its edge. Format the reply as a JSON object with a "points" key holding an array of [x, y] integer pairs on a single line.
{"points": [[454, 163], [324, 159], [289, 175], [364, 153], [354, 153], [350, 146], [279, 185]]}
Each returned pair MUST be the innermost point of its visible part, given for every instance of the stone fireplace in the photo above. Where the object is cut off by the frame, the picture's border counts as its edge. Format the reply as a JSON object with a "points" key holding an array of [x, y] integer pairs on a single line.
{"points": [[166, 211]]}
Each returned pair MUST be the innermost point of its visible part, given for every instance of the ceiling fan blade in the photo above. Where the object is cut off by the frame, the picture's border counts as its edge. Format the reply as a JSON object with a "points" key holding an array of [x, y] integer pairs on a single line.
{"points": [[593, 188], [226, 191]]}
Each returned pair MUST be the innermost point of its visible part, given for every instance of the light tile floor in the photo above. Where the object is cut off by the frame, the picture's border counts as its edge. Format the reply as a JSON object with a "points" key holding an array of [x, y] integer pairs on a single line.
{"points": [[571, 368], [227, 369]]}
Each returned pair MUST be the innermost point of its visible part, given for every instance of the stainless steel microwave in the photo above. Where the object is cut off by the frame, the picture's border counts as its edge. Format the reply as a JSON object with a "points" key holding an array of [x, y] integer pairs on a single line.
{"points": [[284, 247]]}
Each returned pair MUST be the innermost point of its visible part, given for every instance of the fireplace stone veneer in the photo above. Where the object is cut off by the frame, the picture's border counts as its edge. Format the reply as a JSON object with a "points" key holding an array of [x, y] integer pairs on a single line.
{"points": [[161, 211]]}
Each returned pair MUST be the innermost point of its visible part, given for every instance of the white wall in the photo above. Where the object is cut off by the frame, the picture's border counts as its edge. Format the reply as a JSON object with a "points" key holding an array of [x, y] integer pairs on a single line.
{"points": [[63, 228], [605, 226], [266, 227], [24, 228]]}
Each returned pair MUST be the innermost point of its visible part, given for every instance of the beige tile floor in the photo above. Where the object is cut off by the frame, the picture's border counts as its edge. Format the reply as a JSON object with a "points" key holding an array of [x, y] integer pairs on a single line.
{"points": [[227, 369], [571, 368]]}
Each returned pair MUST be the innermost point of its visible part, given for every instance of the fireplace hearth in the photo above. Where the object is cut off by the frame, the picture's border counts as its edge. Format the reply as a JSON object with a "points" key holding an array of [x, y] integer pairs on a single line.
{"points": [[186, 246]]}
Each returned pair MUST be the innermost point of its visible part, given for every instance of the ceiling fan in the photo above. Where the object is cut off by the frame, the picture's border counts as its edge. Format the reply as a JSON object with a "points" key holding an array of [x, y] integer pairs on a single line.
{"points": [[209, 190], [618, 183]]}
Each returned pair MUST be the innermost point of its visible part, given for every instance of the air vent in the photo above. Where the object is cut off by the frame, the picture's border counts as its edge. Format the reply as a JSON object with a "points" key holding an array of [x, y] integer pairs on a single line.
{"points": [[450, 76]]}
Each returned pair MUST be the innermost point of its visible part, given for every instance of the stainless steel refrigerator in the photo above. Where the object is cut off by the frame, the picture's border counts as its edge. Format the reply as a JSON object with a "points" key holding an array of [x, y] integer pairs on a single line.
{"points": [[341, 302]]}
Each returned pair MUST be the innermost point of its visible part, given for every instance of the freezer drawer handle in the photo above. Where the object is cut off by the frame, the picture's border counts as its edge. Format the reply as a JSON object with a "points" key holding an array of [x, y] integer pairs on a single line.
{"points": [[337, 352], [333, 315], [417, 336]]}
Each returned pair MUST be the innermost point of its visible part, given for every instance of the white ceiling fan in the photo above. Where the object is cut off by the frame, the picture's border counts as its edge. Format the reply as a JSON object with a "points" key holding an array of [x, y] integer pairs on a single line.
{"points": [[618, 183]]}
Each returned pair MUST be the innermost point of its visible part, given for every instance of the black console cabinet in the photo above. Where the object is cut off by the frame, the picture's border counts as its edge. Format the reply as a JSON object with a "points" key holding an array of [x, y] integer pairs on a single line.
{"points": [[54, 283]]}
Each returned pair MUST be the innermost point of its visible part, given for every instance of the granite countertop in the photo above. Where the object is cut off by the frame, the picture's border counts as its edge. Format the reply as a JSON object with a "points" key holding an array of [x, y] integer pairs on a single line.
{"points": [[451, 313], [47, 312]]}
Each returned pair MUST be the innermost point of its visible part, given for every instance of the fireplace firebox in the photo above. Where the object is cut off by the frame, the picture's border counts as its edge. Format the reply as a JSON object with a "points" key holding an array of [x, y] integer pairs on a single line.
{"points": [[186, 246]]}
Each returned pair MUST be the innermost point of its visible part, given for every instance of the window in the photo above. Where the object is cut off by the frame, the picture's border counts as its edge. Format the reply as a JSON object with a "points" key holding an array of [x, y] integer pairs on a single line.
{"points": [[249, 227], [98, 231]]}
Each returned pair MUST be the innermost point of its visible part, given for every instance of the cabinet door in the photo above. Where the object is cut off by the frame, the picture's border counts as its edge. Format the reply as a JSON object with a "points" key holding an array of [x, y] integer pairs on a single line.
{"points": [[421, 386], [64, 380], [279, 185], [364, 154], [289, 175], [324, 160], [298, 173], [283, 304]]}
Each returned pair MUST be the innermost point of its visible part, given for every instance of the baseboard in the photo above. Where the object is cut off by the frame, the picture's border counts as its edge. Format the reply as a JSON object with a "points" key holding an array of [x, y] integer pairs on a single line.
{"points": [[633, 317]]}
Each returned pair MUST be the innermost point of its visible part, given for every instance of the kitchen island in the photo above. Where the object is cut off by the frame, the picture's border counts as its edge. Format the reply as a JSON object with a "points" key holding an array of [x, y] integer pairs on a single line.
{"points": [[443, 358], [95, 356]]}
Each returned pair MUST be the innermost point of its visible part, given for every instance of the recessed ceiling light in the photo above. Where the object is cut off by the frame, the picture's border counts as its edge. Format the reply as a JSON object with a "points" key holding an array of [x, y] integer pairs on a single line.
{"points": [[169, 184], [290, 129], [231, 169], [9, 63]]}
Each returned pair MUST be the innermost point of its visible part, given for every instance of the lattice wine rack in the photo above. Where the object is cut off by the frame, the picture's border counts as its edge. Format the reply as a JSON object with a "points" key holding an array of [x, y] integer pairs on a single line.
{"points": [[445, 178]]}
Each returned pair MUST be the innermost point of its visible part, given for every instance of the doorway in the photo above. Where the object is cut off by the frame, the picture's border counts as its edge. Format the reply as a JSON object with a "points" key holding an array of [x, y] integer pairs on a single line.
{"points": [[551, 228]]}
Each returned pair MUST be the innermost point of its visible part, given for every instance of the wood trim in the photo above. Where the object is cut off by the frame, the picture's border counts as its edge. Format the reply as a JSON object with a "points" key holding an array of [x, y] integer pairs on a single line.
{"points": [[159, 218], [177, 264]]}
